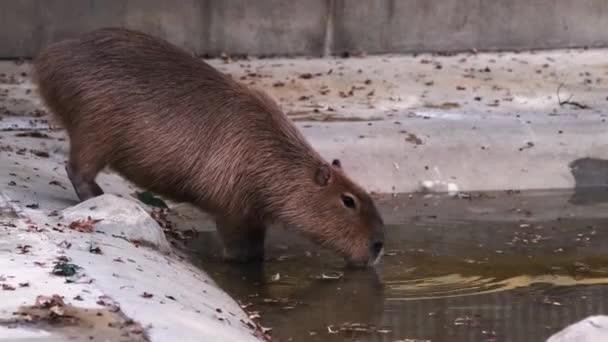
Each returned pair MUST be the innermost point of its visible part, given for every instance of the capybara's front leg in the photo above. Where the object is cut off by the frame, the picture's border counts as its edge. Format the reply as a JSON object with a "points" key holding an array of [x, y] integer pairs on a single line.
{"points": [[85, 188], [243, 242]]}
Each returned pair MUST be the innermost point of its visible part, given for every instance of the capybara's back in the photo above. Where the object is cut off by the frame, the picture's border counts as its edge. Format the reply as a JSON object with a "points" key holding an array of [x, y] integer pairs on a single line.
{"points": [[172, 124]]}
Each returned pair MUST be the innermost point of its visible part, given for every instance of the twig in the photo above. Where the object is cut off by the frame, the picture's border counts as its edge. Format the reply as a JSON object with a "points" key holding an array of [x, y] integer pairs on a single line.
{"points": [[568, 101]]}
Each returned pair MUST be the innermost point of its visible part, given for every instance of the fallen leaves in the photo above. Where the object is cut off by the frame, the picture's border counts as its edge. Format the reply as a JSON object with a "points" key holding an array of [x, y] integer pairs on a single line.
{"points": [[65, 269], [444, 105], [57, 183], [149, 199], [33, 134], [47, 302], [528, 145], [95, 249], [41, 154], [8, 287], [413, 138], [160, 215], [84, 225], [24, 249]]}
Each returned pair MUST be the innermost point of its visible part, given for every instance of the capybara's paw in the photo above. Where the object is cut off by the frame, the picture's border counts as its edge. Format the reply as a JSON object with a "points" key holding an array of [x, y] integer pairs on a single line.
{"points": [[244, 254]]}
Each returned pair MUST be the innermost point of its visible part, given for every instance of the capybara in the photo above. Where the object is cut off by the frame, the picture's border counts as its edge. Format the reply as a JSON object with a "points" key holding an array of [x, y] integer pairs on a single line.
{"points": [[174, 125]]}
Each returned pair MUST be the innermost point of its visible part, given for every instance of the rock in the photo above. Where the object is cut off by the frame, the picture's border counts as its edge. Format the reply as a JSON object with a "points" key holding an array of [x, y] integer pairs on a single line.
{"points": [[120, 217], [590, 329]]}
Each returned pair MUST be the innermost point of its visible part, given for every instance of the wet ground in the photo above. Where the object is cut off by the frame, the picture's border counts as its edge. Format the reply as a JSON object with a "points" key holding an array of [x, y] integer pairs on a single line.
{"points": [[505, 266], [499, 266]]}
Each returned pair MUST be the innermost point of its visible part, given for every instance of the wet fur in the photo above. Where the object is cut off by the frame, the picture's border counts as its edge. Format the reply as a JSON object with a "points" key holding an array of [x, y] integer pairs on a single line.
{"points": [[172, 124]]}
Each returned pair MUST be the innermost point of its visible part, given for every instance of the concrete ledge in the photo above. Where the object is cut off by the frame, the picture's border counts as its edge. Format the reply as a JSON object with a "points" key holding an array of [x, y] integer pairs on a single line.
{"points": [[315, 27], [470, 122], [158, 297]]}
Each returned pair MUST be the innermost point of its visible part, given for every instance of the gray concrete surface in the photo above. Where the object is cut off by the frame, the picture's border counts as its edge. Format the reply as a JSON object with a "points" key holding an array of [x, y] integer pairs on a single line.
{"points": [[314, 27], [401, 123]]}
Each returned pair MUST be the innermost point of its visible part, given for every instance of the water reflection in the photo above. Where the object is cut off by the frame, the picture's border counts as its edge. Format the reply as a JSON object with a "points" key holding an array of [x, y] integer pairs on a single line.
{"points": [[494, 268]]}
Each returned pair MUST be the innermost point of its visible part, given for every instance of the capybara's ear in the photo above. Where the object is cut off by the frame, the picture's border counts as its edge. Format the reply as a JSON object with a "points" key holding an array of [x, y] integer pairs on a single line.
{"points": [[336, 163], [323, 175]]}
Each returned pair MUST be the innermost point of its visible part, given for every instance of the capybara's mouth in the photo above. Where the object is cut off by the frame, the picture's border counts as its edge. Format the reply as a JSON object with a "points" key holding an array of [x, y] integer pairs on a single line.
{"points": [[375, 260], [363, 263]]}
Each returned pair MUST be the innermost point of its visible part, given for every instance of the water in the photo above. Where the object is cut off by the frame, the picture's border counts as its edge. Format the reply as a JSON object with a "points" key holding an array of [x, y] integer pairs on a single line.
{"points": [[490, 267]]}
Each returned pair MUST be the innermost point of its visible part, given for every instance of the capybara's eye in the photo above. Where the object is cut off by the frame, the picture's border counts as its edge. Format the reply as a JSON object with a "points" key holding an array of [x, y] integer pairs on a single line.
{"points": [[348, 201]]}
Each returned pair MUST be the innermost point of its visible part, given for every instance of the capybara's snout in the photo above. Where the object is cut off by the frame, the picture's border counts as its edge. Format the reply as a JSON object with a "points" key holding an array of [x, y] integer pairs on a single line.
{"points": [[376, 244], [370, 251]]}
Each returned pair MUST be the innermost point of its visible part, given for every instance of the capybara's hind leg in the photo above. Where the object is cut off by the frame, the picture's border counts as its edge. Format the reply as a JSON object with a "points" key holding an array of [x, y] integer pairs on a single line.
{"points": [[82, 169], [243, 242]]}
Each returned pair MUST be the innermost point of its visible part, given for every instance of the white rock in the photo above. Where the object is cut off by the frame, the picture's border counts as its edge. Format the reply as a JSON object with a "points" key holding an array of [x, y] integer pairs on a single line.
{"points": [[23, 334], [120, 217], [590, 329]]}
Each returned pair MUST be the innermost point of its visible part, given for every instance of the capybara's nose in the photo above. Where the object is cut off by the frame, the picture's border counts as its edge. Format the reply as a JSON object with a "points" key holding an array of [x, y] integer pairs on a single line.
{"points": [[376, 249], [376, 245]]}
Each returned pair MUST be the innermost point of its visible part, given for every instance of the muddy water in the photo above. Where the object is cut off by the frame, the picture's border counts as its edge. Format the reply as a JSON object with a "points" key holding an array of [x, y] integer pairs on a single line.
{"points": [[487, 267]]}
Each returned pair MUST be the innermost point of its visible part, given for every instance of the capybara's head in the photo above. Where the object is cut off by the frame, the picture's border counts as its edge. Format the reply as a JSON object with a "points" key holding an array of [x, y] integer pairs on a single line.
{"points": [[337, 213]]}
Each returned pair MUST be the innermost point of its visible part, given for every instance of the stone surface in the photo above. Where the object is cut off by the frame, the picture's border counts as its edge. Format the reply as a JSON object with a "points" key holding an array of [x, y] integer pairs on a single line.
{"points": [[590, 329], [119, 218], [166, 296]]}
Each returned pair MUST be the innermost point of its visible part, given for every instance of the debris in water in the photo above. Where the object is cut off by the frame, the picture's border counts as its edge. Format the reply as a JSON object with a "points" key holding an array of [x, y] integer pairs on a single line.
{"points": [[330, 276], [466, 321], [357, 328], [549, 301]]}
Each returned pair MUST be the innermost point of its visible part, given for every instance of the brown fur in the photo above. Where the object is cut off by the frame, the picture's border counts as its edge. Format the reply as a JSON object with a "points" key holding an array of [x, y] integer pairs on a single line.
{"points": [[174, 125]]}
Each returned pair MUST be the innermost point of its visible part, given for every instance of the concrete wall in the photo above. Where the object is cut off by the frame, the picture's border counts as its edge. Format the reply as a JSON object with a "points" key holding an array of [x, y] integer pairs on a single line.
{"points": [[313, 27]]}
